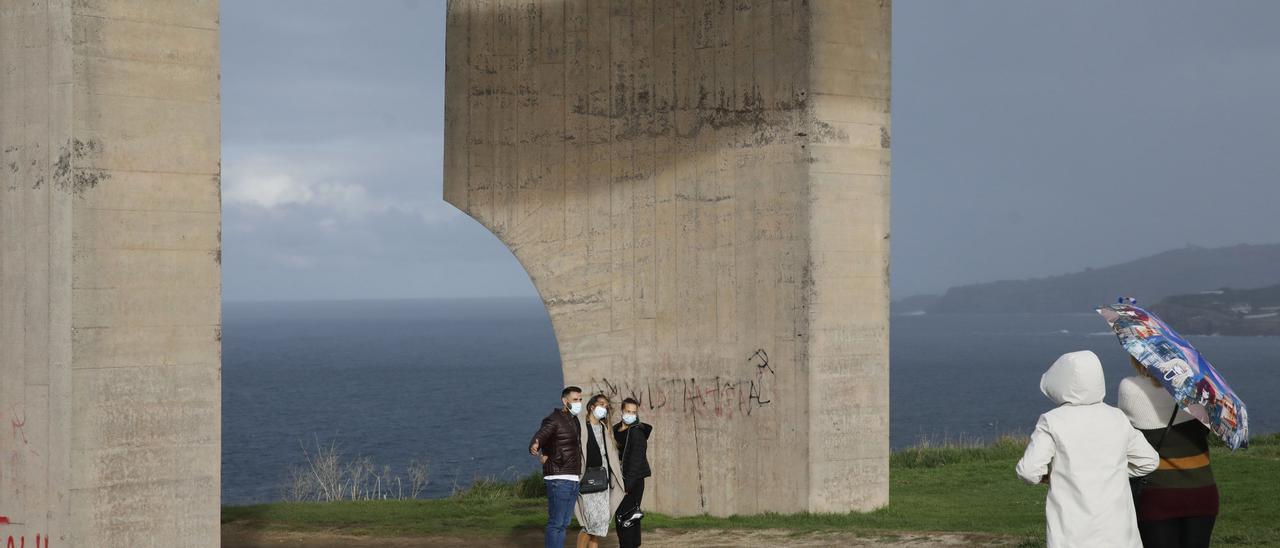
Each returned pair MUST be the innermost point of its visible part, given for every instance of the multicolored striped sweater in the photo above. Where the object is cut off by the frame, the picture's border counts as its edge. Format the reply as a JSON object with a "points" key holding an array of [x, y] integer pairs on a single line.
{"points": [[1183, 484]]}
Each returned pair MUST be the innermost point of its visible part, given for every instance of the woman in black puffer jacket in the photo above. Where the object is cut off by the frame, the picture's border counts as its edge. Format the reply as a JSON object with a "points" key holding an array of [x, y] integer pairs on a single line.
{"points": [[632, 437]]}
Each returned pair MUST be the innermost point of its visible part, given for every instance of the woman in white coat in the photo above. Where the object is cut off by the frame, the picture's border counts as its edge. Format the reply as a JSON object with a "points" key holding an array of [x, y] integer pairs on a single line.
{"points": [[1086, 451]]}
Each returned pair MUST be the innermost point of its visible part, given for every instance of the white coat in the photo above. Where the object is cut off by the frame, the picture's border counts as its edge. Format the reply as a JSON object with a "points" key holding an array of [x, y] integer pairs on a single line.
{"points": [[1089, 451]]}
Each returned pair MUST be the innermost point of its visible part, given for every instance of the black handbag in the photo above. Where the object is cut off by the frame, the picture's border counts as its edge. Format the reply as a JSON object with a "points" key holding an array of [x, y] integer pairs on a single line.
{"points": [[596, 479], [1138, 484]]}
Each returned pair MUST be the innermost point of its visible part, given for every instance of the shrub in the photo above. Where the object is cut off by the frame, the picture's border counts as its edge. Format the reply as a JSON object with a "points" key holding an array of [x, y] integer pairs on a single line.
{"points": [[327, 475]]}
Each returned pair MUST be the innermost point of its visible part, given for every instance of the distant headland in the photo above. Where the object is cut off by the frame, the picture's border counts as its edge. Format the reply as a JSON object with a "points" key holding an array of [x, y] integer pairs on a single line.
{"points": [[1225, 290]]}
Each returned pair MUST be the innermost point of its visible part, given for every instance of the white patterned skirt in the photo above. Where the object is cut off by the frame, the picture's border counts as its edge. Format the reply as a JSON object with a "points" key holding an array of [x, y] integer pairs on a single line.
{"points": [[595, 510]]}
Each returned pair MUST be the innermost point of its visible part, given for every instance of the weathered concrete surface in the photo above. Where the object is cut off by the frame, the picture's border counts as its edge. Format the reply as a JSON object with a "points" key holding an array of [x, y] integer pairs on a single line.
{"points": [[699, 190], [109, 273]]}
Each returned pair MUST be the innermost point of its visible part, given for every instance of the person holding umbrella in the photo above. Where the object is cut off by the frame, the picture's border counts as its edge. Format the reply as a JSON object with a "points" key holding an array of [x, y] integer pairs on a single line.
{"points": [[1178, 503], [1183, 372]]}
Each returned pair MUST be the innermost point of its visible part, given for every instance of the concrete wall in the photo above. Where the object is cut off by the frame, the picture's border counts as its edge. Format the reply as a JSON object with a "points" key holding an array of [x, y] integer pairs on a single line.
{"points": [[699, 190], [109, 273]]}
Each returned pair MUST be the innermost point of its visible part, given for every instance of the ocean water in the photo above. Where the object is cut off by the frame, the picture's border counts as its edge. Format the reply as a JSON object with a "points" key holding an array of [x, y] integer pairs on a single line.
{"points": [[462, 384]]}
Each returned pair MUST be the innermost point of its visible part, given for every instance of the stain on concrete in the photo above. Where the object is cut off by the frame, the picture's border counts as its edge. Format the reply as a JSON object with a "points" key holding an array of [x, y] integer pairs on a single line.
{"points": [[67, 177], [15, 168], [62, 168], [574, 300], [884, 137], [87, 179], [824, 132], [86, 149], [708, 199], [217, 255], [763, 126]]}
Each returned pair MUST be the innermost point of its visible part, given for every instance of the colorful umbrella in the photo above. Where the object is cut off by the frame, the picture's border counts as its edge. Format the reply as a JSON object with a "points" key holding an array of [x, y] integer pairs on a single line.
{"points": [[1195, 385]]}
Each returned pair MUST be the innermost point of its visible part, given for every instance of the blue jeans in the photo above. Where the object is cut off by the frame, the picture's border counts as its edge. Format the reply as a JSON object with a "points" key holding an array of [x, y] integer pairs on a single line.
{"points": [[562, 495]]}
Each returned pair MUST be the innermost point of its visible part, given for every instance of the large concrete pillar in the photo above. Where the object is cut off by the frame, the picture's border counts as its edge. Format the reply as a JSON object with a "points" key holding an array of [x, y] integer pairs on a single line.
{"points": [[699, 190], [109, 273]]}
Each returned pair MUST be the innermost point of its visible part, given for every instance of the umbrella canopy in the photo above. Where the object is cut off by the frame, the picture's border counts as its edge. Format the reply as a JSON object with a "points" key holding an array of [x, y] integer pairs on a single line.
{"points": [[1195, 385]]}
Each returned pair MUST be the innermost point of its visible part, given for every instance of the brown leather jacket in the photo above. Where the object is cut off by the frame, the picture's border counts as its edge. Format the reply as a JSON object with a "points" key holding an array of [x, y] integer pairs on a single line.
{"points": [[559, 438]]}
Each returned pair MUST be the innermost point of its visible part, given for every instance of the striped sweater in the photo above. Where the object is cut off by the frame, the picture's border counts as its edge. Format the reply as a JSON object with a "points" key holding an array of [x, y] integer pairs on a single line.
{"points": [[1183, 484]]}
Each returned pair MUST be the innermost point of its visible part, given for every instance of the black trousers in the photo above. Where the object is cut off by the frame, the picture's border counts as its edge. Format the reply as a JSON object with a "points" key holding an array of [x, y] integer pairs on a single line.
{"points": [[629, 537], [1177, 533]]}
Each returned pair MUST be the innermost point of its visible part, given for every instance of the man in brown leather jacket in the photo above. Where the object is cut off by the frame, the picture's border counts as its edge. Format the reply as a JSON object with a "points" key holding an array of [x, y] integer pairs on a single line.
{"points": [[557, 444]]}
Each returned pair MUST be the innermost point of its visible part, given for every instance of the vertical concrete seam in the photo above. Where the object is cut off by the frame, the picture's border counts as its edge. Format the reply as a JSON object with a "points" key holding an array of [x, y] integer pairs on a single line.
{"points": [[48, 219], [613, 137], [564, 125]]}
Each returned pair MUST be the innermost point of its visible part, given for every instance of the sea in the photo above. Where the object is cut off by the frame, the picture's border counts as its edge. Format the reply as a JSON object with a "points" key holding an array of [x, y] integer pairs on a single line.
{"points": [[462, 384]]}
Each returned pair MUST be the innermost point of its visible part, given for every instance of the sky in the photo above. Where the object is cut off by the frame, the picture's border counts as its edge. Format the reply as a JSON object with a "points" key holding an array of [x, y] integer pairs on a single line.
{"points": [[1030, 138]]}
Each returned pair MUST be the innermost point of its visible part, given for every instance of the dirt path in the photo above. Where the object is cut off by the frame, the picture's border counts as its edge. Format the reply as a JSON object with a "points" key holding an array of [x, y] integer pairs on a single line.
{"points": [[234, 535]]}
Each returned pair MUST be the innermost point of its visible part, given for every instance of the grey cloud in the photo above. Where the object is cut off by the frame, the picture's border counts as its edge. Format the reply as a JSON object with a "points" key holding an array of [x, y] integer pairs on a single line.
{"points": [[1030, 138], [345, 101], [1106, 130]]}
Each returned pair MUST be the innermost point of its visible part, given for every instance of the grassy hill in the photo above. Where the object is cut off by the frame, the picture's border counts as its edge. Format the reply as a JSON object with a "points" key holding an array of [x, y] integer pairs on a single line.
{"points": [[961, 489]]}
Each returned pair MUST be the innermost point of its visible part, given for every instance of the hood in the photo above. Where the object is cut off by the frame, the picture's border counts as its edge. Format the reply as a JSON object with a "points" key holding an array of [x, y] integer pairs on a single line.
{"points": [[1075, 379]]}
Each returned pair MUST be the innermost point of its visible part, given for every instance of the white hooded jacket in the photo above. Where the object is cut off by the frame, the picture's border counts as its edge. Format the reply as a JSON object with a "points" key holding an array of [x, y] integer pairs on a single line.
{"points": [[1089, 451]]}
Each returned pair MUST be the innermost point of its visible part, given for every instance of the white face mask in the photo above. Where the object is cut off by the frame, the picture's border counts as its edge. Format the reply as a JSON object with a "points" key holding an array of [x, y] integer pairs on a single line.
{"points": [[629, 419], [600, 412], [575, 408]]}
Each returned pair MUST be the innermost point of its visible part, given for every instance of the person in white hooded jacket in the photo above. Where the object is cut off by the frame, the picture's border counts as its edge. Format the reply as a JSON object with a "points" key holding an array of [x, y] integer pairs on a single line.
{"points": [[1086, 451]]}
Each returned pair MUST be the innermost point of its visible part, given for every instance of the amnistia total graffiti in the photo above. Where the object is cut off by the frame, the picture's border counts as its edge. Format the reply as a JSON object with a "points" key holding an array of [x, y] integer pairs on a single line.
{"points": [[721, 396]]}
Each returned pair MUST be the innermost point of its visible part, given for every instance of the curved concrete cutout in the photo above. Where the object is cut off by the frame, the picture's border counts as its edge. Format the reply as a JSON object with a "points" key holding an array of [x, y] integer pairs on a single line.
{"points": [[699, 191]]}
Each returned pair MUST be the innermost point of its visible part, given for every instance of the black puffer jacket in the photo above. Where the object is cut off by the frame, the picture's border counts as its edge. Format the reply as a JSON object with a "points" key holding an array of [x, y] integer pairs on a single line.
{"points": [[560, 438], [633, 445]]}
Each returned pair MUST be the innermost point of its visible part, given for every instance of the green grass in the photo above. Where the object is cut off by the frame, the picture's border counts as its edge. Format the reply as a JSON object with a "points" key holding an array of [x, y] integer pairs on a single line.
{"points": [[951, 488]]}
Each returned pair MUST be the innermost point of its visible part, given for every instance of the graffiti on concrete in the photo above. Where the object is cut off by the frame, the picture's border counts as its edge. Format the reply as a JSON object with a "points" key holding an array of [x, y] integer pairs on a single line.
{"points": [[21, 541], [719, 396], [18, 424]]}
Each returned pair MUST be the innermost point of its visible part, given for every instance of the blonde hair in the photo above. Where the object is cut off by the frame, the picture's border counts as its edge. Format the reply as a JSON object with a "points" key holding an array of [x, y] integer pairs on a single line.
{"points": [[1144, 372]]}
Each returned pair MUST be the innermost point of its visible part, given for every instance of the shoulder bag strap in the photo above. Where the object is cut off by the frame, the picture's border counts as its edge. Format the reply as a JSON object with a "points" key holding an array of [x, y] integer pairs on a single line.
{"points": [[1167, 427]]}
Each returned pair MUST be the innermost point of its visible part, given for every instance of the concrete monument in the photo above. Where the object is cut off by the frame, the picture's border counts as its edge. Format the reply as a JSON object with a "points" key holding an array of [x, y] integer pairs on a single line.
{"points": [[699, 191], [110, 413]]}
